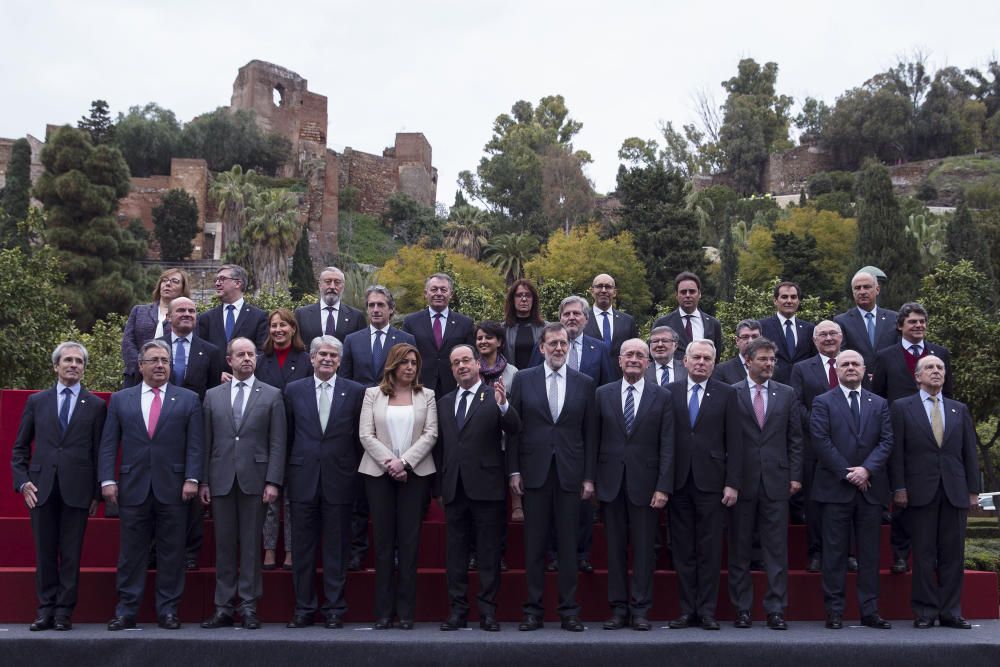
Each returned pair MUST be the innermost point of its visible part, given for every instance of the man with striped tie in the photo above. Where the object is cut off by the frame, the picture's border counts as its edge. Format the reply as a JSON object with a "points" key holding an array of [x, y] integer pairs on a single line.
{"points": [[664, 367]]}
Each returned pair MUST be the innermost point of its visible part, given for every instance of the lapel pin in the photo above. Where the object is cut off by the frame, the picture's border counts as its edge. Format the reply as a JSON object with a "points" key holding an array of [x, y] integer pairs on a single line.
{"points": [[343, 394], [83, 400], [707, 394], [953, 409], [347, 319], [482, 395], [172, 398], [200, 353]]}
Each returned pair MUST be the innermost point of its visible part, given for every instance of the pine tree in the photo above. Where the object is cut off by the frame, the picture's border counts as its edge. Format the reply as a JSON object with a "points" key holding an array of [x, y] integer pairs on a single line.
{"points": [[98, 124], [16, 195], [965, 240], [729, 266], [175, 223]]}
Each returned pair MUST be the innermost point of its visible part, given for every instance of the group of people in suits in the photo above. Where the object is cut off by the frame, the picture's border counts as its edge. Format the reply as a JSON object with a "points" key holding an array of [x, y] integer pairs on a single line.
{"points": [[231, 409]]}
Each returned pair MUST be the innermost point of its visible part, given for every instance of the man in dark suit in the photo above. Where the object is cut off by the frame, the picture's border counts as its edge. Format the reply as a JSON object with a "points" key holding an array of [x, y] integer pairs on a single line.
{"points": [[58, 479], [437, 329], [234, 316], [635, 478], [470, 462], [935, 473], [810, 378], [664, 368], [323, 455], [867, 327], [852, 435], [244, 468], [792, 337], [688, 321], [158, 429], [893, 379], [772, 472], [708, 471], [607, 323], [329, 315], [551, 463], [734, 370]]}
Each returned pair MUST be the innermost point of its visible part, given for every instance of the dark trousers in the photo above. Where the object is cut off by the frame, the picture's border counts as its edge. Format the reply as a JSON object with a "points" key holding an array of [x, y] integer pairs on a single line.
{"points": [[138, 524], [771, 520], [239, 520], [626, 523], [58, 531], [585, 533], [544, 507], [359, 522], [899, 535], [813, 511], [696, 520], [938, 530], [315, 521], [195, 536], [397, 509], [838, 519], [478, 523]]}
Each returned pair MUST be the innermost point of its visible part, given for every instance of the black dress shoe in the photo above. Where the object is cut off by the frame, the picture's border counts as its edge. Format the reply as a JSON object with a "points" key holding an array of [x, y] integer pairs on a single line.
{"points": [[454, 622], [489, 623], [552, 566], [190, 564], [572, 623], [923, 623], [382, 624], [757, 565], [683, 621], [899, 566], [616, 622], [815, 565], [776, 621], [852, 564], [709, 623], [169, 622], [333, 622], [586, 567], [300, 621], [405, 624], [250, 621], [218, 620], [956, 622], [743, 620], [63, 623], [875, 621], [121, 623], [473, 562], [834, 622], [354, 564], [641, 623], [269, 566], [530, 622], [42, 623]]}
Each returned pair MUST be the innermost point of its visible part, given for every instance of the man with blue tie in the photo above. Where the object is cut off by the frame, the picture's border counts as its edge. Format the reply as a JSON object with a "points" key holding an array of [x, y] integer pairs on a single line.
{"points": [[793, 337], [58, 479], [664, 367], [607, 323], [867, 327], [234, 316]]}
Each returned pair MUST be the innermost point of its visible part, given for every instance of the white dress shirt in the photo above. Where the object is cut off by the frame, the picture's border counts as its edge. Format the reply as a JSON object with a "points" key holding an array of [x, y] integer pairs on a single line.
{"points": [[697, 325], [560, 385], [636, 395]]}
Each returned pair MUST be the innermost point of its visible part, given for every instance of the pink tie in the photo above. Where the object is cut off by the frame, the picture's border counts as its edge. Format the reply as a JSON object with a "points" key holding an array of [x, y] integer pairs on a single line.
{"points": [[758, 406], [154, 412], [438, 336]]}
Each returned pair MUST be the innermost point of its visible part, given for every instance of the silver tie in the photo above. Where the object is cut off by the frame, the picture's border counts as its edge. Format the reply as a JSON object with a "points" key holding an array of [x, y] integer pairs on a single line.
{"points": [[324, 404], [574, 357], [554, 396], [238, 404]]}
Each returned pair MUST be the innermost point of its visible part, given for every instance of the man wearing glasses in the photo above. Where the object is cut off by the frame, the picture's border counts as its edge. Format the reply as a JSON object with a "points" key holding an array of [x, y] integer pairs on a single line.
{"points": [[735, 370], [234, 317], [608, 323], [664, 368]]}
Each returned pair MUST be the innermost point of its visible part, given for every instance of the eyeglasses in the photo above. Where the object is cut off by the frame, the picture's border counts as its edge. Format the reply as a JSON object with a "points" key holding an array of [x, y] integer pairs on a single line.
{"points": [[748, 336], [664, 341], [827, 334], [525, 296], [222, 279], [156, 361], [633, 354], [171, 281], [602, 286]]}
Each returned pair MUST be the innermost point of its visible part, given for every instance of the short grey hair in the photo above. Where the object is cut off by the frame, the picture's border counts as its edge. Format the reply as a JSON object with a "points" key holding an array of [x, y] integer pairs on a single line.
{"points": [[440, 276], [320, 341], [332, 269], [384, 291], [238, 273], [664, 329], [752, 325], [700, 341], [229, 345], [62, 347], [149, 344], [574, 298]]}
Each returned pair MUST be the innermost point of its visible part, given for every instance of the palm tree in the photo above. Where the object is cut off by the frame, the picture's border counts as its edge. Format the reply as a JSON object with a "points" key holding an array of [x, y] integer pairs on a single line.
{"points": [[270, 235], [508, 253], [231, 191], [467, 231]]}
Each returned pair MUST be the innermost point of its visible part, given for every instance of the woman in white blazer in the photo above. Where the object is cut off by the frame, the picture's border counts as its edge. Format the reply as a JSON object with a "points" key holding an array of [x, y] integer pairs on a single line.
{"points": [[398, 430]]}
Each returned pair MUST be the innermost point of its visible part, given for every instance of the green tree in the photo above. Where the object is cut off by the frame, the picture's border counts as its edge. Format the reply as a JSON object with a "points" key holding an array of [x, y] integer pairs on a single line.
{"points": [[868, 123], [467, 231], [269, 237], [303, 277], [80, 189], [812, 119], [148, 137], [510, 253], [231, 191], [567, 194], [729, 265], [225, 138], [964, 240], [882, 239], [16, 196], [929, 232], [175, 223], [98, 124], [406, 272], [412, 222]]}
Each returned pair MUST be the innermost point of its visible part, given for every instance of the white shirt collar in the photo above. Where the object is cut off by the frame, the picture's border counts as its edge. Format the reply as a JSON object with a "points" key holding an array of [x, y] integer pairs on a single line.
{"points": [[691, 383], [548, 370], [238, 303], [248, 382], [75, 388], [639, 385], [864, 313], [323, 305], [783, 319], [474, 389], [317, 382], [847, 392], [444, 313], [146, 388], [695, 313], [372, 329]]}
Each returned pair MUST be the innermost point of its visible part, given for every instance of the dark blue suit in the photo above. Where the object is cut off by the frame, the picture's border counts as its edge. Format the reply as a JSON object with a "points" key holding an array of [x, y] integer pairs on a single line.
{"points": [[435, 366], [356, 362], [311, 319], [594, 360], [205, 364], [855, 331], [251, 323], [771, 328], [622, 328]]}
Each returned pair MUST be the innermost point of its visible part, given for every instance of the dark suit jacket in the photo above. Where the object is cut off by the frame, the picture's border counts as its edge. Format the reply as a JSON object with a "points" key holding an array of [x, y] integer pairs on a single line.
{"points": [[772, 455], [644, 457], [622, 328], [157, 465], [711, 449], [251, 323], [356, 362], [594, 360], [435, 367], [771, 328], [810, 378], [297, 366], [474, 453], [571, 440], [852, 324], [713, 331], [139, 328], [677, 371], [312, 317], [892, 378], [323, 460], [205, 363], [70, 457], [839, 446], [919, 465], [731, 371]]}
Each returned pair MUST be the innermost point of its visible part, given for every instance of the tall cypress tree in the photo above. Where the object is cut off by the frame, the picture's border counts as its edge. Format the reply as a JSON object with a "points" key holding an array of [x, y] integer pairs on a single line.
{"points": [[16, 195], [964, 239], [302, 279]]}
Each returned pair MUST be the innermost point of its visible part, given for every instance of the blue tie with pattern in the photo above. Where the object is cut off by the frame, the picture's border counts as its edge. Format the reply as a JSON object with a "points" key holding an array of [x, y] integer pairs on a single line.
{"points": [[693, 404], [629, 409]]}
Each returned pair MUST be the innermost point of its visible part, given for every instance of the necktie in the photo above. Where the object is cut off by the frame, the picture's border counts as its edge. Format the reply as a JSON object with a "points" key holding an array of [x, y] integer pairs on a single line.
{"points": [[554, 396], [438, 334], [832, 373], [665, 377], [870, 325], [180, 360], [607, 329], [238, 404], [693, 404], [230, 321], [915, 351], [687, 328], [154, 412], [937, 425], [67, 394], [856, 411], [758, 405], [331, 322], [324, 404], [790, 339], [629, 409], [574, 357], [378, 363], [463, 405]]}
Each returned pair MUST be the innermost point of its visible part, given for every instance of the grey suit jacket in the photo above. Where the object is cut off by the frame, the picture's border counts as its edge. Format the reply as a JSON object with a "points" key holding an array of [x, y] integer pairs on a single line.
{"points": [[252, 454], [772, 455], [677, 371]]}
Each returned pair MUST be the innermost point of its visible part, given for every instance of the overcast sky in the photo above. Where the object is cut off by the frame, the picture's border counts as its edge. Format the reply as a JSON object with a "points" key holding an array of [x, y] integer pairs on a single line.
{"points": [[448, 68]]}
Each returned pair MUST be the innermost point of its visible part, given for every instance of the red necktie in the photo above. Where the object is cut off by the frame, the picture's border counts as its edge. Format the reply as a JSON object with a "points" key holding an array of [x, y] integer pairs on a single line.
{"points": [[154, 412], [438, 336], [687, 328], [834, 382], [758, 405]]}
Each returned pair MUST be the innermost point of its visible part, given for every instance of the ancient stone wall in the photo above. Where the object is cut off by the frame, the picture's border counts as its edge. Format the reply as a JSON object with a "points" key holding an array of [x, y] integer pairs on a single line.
{"points": [[374, 176], [787, 172]]}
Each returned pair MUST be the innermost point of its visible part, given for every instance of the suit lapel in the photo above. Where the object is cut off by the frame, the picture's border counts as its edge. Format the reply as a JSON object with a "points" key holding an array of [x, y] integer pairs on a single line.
{"points": [[248, 402], [343, 320], [743, 391], [819, 371], [918, 415], [475, 401], [950, 418]]}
